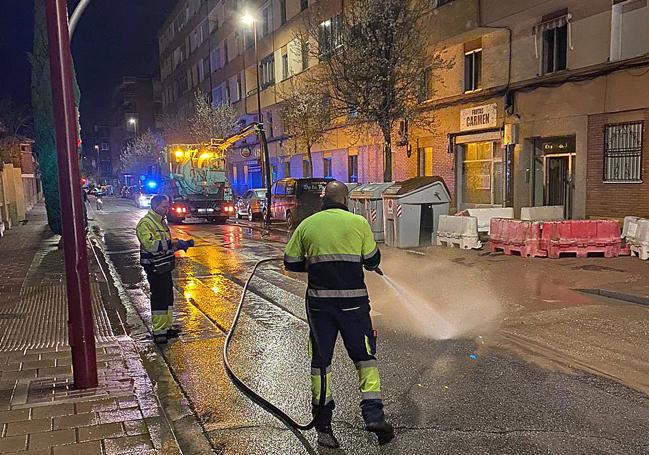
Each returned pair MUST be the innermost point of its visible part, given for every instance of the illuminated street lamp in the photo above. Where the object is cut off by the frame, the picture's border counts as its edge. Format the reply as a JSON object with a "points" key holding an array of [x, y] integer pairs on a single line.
{"points": [[249, 20], [133, 122], [97, 163]]}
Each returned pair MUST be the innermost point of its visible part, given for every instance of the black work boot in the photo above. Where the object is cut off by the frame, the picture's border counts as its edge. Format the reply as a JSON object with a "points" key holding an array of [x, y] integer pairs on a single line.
{"points": [[382, 429], [173, 333], [375, 420], [160, 339], [327, 438]]}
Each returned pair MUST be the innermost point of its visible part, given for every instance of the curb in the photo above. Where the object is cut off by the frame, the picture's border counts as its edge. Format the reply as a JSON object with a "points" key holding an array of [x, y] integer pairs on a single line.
{"points": [[630, 298]]}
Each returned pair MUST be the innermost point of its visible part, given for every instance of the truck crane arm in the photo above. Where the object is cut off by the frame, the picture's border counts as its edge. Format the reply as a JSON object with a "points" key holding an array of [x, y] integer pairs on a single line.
{"points": [[258, 129], [181, 154], [224, 144]]}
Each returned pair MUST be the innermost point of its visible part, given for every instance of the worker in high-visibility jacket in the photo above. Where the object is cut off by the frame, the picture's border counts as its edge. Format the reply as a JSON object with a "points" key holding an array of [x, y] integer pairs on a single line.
{"points": [[157, 257], [334, 246]]}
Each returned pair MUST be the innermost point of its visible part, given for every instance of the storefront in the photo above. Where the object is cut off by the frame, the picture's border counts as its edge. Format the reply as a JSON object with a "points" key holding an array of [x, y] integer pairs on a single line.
{"points": [[479, 155]]}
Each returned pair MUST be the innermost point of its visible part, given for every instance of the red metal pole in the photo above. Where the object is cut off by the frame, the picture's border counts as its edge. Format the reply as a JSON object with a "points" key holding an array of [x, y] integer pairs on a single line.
{"points": [[81, 333]]}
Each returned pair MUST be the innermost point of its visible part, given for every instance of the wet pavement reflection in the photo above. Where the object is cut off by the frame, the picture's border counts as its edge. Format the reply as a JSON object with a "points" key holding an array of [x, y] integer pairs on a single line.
{"points": [[465, 386]]}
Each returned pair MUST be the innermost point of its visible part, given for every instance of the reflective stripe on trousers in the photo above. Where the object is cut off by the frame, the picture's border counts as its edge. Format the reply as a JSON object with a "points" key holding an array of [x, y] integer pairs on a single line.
{"points": [[316, 386], [369, 381], [161, 321], [355, 327]]}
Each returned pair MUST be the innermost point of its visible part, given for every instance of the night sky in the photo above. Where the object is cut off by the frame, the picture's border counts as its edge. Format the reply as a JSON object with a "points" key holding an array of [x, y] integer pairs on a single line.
{"points": [[115, 38]]}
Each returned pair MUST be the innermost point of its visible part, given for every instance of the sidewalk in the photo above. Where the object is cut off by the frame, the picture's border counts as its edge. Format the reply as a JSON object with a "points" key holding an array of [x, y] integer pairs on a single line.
{"points": [[628, 282], [624, 278], [40, 411]]}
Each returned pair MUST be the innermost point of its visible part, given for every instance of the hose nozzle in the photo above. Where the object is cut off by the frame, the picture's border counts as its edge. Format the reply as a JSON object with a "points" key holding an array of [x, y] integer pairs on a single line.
{"points": [[379, 271]]}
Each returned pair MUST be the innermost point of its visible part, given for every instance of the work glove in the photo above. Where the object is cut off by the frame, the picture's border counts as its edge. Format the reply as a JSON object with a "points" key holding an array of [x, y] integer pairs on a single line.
{"points": [[185, 244], [376, 269]]}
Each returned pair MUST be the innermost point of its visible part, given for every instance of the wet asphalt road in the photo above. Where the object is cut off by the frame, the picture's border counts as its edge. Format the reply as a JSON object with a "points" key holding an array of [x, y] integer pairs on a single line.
{"points": [[454, 388]]}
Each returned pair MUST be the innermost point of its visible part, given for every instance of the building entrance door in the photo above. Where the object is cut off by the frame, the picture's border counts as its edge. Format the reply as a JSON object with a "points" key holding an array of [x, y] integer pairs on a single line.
{"points": [[554, 173], [559, 183], [254, 174]]}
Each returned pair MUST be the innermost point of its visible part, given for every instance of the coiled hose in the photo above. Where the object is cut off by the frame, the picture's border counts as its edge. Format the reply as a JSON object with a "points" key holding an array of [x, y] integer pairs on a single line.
{"points": [[245, 389]]}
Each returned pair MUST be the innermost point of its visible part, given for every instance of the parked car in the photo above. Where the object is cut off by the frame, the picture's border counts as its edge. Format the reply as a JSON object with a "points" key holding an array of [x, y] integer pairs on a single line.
{"points": [[128, 192], [251, 204], [142, 199], [295, 199]]}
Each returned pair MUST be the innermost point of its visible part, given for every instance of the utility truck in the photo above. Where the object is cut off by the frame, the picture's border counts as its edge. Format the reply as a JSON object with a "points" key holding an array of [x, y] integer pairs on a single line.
{"points": [[197, 181]]}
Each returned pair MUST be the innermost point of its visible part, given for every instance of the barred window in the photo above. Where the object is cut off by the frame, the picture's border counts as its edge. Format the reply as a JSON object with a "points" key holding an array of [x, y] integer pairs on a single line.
{"points": [[623, 152]]}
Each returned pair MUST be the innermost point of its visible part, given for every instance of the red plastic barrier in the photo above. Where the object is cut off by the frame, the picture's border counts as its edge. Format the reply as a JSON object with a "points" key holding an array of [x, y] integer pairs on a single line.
{"points": [[498, 230], [582, 237], [515, 236]]}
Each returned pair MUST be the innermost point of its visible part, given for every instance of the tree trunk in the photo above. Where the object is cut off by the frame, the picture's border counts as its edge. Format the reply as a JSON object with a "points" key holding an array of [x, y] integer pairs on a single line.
{"points": [[308, 152], [387, 155]]}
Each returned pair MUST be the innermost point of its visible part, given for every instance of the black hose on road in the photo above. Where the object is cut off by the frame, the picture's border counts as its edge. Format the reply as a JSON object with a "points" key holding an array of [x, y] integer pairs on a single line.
{"points": [[245, 389]]}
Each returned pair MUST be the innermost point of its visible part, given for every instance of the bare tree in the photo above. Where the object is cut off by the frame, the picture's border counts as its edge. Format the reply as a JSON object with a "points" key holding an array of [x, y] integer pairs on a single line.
{"points": [[373, 59], [14, 120], [306, 116], [175, 128], [211, 121], [10, 151], [142, 153], [14, 125]]}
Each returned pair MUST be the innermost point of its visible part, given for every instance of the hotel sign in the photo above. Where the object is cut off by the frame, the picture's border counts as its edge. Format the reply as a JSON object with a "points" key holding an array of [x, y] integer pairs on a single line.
{"points": [[479, 117]]}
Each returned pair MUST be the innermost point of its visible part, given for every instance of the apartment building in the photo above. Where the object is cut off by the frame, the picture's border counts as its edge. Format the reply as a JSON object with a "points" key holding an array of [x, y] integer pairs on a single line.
{"points": [[204, 45], [546, 104], [135, 108], [100, 161]]}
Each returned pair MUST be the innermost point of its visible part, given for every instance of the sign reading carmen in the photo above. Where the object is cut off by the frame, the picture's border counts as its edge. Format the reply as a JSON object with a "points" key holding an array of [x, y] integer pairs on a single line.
{"points": [[479, 117]]}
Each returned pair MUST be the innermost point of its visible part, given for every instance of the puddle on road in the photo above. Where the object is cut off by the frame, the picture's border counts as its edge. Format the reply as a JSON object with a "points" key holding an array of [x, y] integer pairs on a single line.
{"points": [[596, 268]]}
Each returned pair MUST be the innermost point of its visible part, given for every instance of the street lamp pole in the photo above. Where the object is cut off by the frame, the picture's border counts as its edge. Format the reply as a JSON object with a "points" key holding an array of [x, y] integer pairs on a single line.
{"points": [[254, 33], [81, 332], [248, 19], [76, 15]]}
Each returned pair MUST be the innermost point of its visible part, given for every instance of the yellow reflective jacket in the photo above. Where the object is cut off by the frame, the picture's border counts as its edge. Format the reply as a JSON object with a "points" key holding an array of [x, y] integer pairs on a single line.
{"points": [[156, 245], [333, 246]]}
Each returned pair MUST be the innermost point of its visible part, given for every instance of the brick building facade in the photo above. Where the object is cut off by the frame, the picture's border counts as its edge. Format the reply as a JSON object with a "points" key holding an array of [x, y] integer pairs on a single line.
{"points": [[608, 198], [519, 117]]}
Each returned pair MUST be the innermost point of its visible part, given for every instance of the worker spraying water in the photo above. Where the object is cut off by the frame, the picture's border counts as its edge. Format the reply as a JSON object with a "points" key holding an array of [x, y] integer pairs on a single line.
{"points": [[334, 246]]}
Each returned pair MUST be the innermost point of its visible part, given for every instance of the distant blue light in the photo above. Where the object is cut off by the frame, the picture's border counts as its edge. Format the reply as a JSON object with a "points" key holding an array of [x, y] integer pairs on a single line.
{"points": [[152, 184]]}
